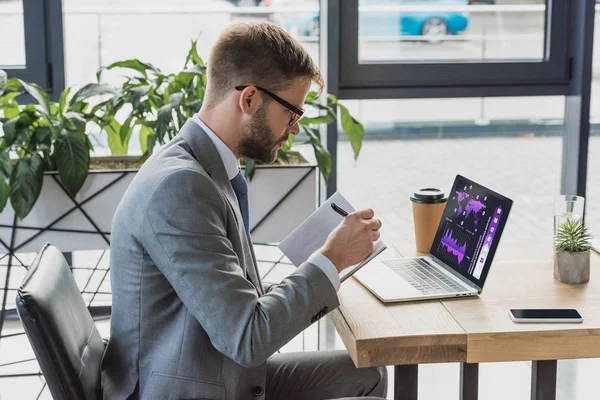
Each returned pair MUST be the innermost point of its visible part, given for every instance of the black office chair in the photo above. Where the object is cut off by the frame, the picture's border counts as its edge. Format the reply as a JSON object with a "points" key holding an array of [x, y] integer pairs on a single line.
{"points": [[60, 328]]}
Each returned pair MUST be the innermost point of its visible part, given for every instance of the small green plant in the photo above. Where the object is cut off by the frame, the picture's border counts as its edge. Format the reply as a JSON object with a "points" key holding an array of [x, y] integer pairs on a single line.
{"points": [[573, 236]]}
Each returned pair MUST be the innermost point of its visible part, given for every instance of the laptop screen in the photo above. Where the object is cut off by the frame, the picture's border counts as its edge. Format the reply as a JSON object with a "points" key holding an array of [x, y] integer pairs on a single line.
{"points": [[470, 229]]}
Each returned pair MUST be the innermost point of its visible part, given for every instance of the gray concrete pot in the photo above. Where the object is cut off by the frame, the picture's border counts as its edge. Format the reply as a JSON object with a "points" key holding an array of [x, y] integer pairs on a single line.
{"points": [[572, 267]]}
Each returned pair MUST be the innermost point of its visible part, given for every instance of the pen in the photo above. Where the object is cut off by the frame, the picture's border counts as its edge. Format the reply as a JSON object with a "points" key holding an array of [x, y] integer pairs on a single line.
{"points": [[338, 210]]}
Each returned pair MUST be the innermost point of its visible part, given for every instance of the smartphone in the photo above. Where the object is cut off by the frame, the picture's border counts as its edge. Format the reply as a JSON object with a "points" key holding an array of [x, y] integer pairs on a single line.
{"points": [[545, 315]]}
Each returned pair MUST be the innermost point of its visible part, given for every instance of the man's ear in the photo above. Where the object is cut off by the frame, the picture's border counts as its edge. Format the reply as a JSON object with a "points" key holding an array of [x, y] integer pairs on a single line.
{"points": [[249, 100]]}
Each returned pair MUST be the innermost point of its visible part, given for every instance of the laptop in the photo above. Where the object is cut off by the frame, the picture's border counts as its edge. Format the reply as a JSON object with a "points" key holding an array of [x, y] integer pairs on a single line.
{"points": [[461, 253]]}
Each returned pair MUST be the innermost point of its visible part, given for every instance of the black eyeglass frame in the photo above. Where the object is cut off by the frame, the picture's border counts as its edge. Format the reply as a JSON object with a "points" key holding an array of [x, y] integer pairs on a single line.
{"points": [[296, 110]]}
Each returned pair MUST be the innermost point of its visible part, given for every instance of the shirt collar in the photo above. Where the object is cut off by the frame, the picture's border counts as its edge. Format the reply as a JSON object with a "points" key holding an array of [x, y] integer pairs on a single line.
{"points": [[230, 162]]}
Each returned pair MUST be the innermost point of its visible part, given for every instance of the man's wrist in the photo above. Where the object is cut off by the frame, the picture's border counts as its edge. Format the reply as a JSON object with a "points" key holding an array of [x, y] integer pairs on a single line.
{"points": [[332, 257]]}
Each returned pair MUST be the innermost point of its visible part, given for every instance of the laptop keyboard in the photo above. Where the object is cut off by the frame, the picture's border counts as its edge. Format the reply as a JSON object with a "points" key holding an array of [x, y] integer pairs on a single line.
{"points": [[426, 278]]}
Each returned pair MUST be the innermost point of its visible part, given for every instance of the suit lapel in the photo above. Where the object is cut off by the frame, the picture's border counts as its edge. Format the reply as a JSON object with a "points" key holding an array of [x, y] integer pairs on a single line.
{"points": [[205, 152]]}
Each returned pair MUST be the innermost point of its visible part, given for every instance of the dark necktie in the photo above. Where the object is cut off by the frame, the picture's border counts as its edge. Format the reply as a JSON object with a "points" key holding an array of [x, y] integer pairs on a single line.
{"points": [[241, 192]]}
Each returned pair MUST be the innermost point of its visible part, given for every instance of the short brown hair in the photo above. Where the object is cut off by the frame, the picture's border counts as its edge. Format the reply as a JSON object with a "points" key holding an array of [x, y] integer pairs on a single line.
{"points": [[260, 54]]}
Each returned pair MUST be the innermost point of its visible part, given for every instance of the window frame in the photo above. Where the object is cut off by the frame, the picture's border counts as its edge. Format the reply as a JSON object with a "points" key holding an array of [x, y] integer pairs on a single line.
{"points": [[44, 63], [455, 78]]}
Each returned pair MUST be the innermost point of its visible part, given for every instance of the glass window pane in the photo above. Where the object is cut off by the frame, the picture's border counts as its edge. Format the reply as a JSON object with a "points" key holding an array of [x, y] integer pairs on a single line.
{"points": [[424, 30], [99, 33], [12, 33], [511, 145]]}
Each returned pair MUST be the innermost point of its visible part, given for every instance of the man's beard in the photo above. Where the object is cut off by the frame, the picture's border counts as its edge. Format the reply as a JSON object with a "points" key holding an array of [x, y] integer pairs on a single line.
{"points": [[259, 142]]}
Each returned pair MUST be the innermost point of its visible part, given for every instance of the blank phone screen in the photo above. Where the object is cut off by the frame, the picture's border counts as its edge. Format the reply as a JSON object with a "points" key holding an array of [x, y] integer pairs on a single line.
{"points": [[546, 314]]}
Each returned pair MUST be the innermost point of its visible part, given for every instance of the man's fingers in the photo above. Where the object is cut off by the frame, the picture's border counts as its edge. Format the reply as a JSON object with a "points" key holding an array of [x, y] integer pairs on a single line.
{"points": [[375, 224], [366, 213], [375, 235]]}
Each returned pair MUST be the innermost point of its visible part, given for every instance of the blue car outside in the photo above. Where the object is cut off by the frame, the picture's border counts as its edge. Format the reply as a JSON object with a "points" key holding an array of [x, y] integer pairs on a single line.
{"points": [[393, 23]]}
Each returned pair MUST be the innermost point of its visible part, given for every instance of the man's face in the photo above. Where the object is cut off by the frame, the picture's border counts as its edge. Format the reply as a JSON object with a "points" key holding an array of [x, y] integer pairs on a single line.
{"points": [[269, 127]]}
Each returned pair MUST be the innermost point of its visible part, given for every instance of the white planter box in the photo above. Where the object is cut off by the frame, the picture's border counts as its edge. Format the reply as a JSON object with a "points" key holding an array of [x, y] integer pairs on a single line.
{"points": [[83, 224], [280, 198]]}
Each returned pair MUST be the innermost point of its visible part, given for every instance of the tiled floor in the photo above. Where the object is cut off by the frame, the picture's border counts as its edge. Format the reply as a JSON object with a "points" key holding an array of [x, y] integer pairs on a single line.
{"points": [[383, 178]]}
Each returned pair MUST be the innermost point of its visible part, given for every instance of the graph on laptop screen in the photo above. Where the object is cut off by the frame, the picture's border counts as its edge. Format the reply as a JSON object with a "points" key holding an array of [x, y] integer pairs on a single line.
{"points": [[470, 227]]}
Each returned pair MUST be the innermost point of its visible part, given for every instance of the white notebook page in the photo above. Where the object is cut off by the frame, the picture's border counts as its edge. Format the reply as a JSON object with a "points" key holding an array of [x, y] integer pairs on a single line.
{"points": [[312, 233]]}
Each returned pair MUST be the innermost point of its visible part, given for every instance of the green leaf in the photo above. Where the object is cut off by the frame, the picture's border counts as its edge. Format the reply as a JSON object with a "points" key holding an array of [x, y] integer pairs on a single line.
{"points": [[26, 182], [288, 144], [353, 129], [145, 132], [113, 130], [41, 134], [321, 154], [175, 99], [126, 131], [72, 161], [249, 168], [8, 98], [63, 100], [195, 70], [91, 90], [5, 165], [164, 118], [38, 94], [194, 106], [10, 127], [136, 65], [137, 93], [193, 55], [4, 193], [75, 122], [323, 119], [100, 106], [311, 96], [11, 111], [99, 73], [13, 84]]}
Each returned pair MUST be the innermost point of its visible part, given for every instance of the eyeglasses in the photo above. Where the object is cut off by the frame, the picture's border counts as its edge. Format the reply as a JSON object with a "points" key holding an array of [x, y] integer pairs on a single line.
{"points": [[295, 114]]}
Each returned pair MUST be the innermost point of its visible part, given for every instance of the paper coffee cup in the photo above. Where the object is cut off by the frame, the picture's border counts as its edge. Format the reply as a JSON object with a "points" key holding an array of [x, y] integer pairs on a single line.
{"points": [[428, 207]]}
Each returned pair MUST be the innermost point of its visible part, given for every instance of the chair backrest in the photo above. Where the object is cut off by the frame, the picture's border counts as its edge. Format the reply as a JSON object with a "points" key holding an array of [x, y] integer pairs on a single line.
{"points": [[60, 328]]}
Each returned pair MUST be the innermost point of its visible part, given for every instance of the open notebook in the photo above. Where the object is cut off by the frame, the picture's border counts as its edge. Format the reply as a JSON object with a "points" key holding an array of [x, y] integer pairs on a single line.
{"points": [[312, 233]]}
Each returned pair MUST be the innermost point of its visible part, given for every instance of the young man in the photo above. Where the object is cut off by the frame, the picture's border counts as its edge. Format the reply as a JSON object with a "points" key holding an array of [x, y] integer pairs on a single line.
{"points": [[191, 318]]}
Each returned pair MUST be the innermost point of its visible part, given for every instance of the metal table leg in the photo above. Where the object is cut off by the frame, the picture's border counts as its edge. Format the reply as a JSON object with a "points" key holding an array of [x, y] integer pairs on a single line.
{"points": [[469, 381], [543, 380], [406, 382]]}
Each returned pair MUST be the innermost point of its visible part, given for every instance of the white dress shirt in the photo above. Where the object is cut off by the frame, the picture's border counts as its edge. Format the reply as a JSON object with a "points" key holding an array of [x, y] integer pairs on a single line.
{"points": [[232, 166]]}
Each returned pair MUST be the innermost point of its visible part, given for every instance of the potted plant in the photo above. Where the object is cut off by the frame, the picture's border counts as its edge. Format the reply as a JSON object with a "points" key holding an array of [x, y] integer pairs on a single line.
{"points": [[47, 146], [572, 258]]}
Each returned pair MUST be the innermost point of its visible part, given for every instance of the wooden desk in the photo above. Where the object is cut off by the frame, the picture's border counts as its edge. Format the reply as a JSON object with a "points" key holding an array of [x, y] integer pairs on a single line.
{"points": [[477, 329]]}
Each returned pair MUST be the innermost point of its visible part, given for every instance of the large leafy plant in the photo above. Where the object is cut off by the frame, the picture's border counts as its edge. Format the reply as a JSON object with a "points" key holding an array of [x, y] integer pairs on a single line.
{"points": [[46, 136], [158, 104]]}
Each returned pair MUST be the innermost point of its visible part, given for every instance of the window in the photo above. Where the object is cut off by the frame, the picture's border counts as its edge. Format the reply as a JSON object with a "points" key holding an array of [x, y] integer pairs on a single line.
{"points": [[31, 42], [12, 34], [161, 34], [443, 30], [393, 58]]}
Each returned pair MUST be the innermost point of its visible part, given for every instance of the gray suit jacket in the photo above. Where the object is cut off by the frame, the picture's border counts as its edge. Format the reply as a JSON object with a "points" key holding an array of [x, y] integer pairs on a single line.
{"points": [[190, 317]]}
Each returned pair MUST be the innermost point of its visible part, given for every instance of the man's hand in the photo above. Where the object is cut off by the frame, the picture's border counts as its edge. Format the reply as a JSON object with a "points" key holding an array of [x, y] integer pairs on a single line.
{"points": [[352, 241]]}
